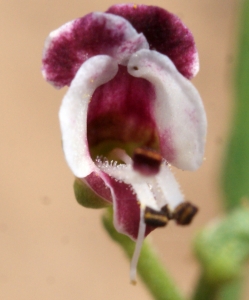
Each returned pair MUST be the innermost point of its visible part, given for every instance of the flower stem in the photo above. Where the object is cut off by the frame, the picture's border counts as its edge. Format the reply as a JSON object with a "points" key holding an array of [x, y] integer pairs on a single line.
{"points": [[149, 266], [236, 172]]}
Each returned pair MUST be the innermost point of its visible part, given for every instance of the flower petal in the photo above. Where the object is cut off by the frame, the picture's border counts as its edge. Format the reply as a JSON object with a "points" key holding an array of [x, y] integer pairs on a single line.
{"points": [[167, 188], [97, 33], [125, 204], [126, 174], [98, 183], [126, 209], [73, 112], [178, 109], [164, 32], [154, 191], [120, 115]]}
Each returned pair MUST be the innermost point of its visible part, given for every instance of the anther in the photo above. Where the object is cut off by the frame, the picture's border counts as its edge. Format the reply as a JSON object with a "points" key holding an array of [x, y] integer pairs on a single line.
{"points": [[169, 214], [155, 218], [184, 213], [146, 161]]}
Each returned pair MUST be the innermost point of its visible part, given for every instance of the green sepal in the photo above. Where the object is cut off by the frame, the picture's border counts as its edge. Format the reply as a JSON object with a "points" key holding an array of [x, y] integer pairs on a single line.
{"points": [[223, 247], [86, 197]]}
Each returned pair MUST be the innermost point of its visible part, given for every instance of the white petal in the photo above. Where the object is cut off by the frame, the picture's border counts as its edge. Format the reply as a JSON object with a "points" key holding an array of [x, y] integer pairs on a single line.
{"points": [[73, 112], [139, 183], [169, 187], [179, 112]]}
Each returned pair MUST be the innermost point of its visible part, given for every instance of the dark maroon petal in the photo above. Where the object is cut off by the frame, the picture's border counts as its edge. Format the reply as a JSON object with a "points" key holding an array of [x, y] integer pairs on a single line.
{"points": [[99, 186], [126, 207], [120, 111], [97, 33], [164, 32], [126, 210]]}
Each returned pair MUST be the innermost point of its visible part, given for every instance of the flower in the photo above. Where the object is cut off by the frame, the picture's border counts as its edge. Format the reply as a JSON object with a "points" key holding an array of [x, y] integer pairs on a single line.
{"points": [[129, 113]]}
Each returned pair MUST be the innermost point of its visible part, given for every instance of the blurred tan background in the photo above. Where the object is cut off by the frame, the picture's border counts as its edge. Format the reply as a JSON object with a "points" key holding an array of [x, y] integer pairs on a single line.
{"points": [[50, 247]]}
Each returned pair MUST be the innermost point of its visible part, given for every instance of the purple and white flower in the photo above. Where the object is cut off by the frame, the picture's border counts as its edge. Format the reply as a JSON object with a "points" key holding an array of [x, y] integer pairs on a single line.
{"points": [[130, 111]]}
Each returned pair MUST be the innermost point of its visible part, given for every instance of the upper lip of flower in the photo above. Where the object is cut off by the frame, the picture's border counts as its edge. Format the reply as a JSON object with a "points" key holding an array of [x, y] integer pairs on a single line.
{"points": [[140, 97]]}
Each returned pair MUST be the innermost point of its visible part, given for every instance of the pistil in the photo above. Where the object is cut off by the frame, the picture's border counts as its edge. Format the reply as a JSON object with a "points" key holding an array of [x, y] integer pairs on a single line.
{"points": [[139, 244]]}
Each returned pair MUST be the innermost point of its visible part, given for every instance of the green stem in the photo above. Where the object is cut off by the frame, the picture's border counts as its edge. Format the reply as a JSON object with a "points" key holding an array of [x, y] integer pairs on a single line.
{"points": [[236, 171], [150, 268], [205, 290]]}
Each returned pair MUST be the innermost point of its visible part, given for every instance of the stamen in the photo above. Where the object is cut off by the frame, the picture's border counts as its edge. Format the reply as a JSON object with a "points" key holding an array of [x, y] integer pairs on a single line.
{"points": [[184, 213], [169, 187], [167, 212], [145, 196], [157, 192], [139, 243], [147, 162], [155, 218], [122, 155]]}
